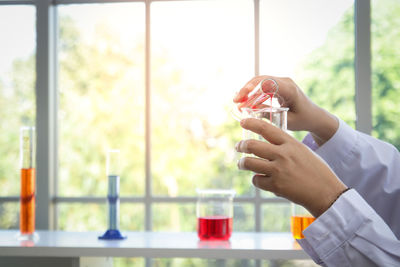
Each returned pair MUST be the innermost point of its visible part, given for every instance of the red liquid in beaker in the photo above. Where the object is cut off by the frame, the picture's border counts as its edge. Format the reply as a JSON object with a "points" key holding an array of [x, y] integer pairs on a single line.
{"points": [[214, 228]]}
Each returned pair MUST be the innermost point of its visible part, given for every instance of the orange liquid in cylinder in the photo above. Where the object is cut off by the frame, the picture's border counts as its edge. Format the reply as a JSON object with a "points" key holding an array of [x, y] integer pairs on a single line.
{"points": [[298, 224], [27, 200]]}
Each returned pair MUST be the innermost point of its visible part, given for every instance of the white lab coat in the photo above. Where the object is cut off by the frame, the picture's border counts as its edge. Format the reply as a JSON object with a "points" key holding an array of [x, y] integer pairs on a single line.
{"points": [[362, 228]]}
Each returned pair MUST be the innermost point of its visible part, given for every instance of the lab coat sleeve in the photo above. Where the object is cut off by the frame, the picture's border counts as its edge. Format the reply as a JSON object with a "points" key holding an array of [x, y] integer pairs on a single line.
{"points": [[351, 233], [363, 226]]}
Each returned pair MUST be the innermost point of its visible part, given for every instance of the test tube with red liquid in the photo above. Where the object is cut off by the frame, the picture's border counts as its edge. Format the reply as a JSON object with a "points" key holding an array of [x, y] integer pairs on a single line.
{"points": [[28, 185], [215, 214], [112, 171]]}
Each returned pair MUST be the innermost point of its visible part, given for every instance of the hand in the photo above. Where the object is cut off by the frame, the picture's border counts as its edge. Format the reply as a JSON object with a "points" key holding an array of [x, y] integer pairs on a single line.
{"points": [[303, 114], [288, 168]]}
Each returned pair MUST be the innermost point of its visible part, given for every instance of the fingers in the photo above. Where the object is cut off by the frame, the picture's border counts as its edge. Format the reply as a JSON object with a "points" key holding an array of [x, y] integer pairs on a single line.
{"points": [[242, 94], [256, 165], [264, 182], [270, 132], [258, 148]]}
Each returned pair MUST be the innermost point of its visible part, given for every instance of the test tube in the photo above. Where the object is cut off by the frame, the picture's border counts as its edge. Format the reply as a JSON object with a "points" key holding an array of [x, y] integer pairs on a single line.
{"points": [[28, 185], [112, 171]]}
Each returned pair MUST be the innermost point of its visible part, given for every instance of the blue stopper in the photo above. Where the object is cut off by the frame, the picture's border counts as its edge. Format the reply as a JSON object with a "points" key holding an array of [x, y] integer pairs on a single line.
{"points": [[112, 234]]}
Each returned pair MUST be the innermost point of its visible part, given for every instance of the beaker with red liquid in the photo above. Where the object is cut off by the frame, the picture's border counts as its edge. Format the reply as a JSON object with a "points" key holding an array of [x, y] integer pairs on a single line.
{"points": [[215, 214], [28, 185]]}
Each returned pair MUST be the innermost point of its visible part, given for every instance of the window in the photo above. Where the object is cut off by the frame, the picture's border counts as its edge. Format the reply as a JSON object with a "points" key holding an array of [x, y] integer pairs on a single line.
{"points": [[385, 41], [155, 79]]}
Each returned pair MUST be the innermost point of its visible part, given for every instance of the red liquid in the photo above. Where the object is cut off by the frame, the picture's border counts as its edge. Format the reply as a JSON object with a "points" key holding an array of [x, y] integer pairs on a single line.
{"points": [[214, 228]]}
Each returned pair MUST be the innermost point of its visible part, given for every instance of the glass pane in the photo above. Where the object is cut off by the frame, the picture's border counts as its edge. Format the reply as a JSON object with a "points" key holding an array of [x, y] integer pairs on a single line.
{"points": [[101, 87], [82, 217], [312, 42], [385, 70], [17, 88], [204, 56], [243, 217], [128, 262], [9, 215], [174, 217], [276, 217], [182, 217], [93, 217]]}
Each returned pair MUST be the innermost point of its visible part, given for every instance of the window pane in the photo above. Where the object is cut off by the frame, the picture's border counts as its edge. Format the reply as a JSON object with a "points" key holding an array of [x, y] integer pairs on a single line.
{"points": [[75, 217], [174, 217], [128, 262], [385, 70], [312, 41], [101, 86], [202, 52], [17, 88], [276, 217], [9, 215]]}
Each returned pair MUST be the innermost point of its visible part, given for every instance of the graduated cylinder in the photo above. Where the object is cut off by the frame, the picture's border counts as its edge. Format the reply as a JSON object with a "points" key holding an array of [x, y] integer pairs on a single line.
{"points": [[28, 182], [113, 189]]}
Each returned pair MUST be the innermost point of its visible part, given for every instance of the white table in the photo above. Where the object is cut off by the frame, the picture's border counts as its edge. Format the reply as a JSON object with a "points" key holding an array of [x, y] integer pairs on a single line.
{"points": [[66, 248]]}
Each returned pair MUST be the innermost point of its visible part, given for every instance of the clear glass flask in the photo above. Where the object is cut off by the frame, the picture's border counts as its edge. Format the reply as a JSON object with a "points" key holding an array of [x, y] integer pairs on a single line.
{"points": [[215, 213], [274, 115]]}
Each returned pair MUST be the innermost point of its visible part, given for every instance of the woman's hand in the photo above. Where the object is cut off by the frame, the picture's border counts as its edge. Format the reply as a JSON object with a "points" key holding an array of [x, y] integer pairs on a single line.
{"points": [[303, 114], [288, 168]]}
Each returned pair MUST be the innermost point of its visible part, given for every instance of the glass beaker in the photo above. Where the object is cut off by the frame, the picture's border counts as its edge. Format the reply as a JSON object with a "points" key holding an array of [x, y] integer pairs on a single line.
{"points": [[300, 220], [215, 213], [274, 115]]}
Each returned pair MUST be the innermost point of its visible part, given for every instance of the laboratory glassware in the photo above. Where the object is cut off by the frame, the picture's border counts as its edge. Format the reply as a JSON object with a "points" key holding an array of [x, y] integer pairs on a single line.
{"points": [[28, 185], [214, 214], [113, 178], [300, 220]]}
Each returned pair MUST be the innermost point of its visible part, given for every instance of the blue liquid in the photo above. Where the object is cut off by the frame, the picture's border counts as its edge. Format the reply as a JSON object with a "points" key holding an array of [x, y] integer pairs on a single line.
{"points": [[113, 202]]}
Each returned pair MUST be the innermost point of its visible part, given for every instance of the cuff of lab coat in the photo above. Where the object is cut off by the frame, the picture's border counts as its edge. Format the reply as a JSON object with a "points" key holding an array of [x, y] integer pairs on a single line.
{"points": [[335, 226], [341, 145]]}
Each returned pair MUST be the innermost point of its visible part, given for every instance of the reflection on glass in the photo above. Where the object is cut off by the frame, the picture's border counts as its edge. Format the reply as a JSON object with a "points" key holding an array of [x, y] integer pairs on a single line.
{"points": [[197, 65], [101, 62], [17, 88]]}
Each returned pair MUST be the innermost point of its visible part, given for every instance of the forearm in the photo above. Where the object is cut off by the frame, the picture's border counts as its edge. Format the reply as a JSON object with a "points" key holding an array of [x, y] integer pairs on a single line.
{"points": [[323, 126]]}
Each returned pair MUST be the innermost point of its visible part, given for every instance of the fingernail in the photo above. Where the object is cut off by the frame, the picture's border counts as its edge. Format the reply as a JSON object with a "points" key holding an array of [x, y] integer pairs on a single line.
{"points": [[241, 164], [243, 146], [237, 145]]}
